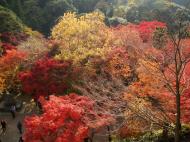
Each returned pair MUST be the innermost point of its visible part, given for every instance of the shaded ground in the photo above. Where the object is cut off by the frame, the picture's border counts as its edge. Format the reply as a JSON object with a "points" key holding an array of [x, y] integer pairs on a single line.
{"points": [[12, 133]]}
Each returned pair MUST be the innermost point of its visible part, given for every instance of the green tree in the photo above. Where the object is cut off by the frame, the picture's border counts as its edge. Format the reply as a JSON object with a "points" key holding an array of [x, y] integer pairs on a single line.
{"points": [[9, 21], [85, 5]]}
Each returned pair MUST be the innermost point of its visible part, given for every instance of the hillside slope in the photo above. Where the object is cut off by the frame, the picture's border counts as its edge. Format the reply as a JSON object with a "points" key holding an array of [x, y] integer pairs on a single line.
{"points": [[41, 15], [9, 21], [138, 10]]}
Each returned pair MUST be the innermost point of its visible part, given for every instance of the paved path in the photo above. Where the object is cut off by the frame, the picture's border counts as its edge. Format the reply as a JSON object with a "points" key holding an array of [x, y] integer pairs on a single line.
{"points": [[12, 133]]}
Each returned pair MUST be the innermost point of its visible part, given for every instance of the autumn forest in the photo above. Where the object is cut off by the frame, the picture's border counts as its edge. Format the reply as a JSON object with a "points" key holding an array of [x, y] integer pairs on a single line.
{"points": [[95, 70]]}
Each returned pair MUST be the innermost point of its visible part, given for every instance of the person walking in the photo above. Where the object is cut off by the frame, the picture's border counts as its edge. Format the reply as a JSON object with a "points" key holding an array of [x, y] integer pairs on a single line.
{"points": [[13, 110], [20, 139], [3, 126], [19, 126], [39, 105]]}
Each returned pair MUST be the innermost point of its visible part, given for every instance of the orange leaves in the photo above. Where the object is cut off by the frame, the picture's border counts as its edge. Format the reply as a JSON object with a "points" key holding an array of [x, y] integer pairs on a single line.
{"points": [[160, 72], [118, 64], [127, 36], [148, 98], [12, 57], [9, 64]]}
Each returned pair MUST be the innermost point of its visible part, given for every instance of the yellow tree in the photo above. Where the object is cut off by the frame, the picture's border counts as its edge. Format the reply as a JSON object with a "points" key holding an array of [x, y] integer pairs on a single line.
{"points": [[82, 38]]}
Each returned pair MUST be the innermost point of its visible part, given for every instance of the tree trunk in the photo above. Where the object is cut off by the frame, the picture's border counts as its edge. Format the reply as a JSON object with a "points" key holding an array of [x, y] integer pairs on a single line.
{"points": [[91, 139], [109, 134], [86, 139], [165, 133], [178, 123]]}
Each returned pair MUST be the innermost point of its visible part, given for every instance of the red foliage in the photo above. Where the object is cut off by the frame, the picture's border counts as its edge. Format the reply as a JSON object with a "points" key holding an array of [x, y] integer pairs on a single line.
{"points": [[48, 76], [185, 98], [64, 119], [185, 106], [146, 29], [134, 35]]}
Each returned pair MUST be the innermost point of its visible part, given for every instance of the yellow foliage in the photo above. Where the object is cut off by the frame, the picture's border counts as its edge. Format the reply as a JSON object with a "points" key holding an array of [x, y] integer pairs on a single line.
{"points": [[30, 32], [82, 37], [2, 84]]}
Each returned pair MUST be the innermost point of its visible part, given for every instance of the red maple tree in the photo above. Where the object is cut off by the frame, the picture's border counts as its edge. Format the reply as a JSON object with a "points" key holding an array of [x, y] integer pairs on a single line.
{"points": [[147, 28], [48, 76], [64, 119]]}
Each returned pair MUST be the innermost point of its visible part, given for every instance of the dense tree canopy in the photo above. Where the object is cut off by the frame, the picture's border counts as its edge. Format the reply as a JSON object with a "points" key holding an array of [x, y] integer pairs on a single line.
{"points": [[44, 13], [129, 61], [60, 114], [48, 76], [9, 21], [9, 64], [82, 38]]}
